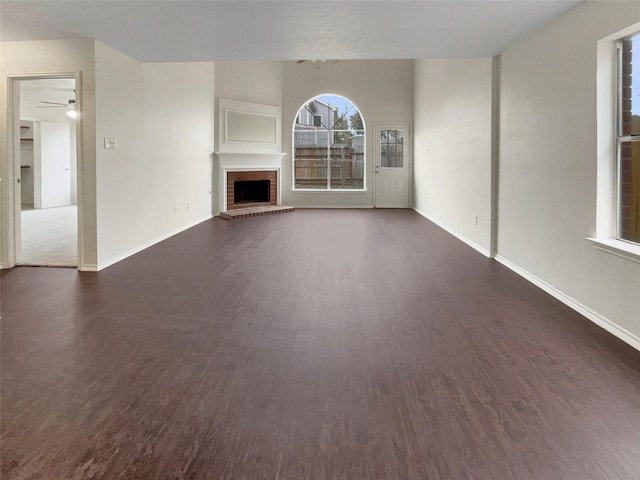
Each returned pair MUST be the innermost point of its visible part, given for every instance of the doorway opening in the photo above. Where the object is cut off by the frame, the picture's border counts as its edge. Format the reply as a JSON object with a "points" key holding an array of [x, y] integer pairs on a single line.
{"points": [[46, 225]]}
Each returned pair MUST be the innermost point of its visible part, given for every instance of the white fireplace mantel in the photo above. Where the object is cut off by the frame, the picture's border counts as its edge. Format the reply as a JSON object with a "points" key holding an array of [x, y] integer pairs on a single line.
{"points": [[239, 162], [261, 161]]}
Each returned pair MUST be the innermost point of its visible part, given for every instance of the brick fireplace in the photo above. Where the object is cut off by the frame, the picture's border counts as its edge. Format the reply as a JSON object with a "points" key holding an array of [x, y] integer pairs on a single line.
{"points": [[247, 189], [244, 175]]}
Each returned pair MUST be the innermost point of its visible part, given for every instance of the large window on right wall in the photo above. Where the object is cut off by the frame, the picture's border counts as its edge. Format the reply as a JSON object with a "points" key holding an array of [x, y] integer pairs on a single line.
{"points": [[628, 139]]}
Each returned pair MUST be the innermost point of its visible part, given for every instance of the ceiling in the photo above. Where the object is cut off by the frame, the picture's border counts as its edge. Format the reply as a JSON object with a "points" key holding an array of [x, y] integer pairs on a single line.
{"points": [[158, 31]]}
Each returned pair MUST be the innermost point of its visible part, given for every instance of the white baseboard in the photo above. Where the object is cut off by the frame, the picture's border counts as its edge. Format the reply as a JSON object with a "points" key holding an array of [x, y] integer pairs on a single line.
{"points": [[462, 238], [332, 206], [592, 315], [89, 267], [139, 248]]}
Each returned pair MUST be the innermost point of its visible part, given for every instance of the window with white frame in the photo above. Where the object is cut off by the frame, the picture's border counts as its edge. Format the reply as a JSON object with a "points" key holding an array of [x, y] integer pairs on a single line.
{"points": [[618, 144], [328, 145], [628, 139]]}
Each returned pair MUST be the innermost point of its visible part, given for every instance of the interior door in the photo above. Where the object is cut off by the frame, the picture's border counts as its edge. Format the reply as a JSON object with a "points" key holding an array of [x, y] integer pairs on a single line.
{"points": [[55, 164], [392, 167]]}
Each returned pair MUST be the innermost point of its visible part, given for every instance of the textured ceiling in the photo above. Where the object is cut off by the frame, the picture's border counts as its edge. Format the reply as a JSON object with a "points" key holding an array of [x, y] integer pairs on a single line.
{"points": [[155, 31]]}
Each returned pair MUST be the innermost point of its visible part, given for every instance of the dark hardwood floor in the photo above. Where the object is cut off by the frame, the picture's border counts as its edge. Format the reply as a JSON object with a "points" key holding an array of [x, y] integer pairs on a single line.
{"points": [[321, 344]]}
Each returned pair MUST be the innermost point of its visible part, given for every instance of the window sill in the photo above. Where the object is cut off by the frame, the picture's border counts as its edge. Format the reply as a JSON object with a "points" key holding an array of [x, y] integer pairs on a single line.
{"points": [[619, 248]]}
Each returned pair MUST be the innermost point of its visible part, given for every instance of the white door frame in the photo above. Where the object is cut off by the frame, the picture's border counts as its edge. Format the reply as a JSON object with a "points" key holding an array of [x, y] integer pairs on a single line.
{"points": [[376, 157], [10, 238]]}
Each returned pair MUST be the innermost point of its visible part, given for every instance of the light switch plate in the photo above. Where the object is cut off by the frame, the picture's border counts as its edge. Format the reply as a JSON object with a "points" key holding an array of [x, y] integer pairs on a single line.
{"points": [[110, 143]]}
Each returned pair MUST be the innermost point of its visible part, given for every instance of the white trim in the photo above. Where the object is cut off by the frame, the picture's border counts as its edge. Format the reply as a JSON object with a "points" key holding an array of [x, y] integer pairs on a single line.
{"points": [[91, 267], [366, 161], [143, 246], [606, 113], [628, 138], [225, 146], [603, 322], [471, 243], [325, 191], [333, 206], [619, 248], [10, 246], [226, 127], [249, 159], [608, 139]]}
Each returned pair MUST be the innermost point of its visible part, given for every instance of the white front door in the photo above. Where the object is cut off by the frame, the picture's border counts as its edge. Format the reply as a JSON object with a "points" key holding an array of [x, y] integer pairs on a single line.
{"points": [[392, 168]]}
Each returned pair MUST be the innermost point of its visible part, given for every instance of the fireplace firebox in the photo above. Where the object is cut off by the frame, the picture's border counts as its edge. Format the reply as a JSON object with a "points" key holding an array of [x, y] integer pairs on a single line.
{"points": [[247, 189], [251, 191]]}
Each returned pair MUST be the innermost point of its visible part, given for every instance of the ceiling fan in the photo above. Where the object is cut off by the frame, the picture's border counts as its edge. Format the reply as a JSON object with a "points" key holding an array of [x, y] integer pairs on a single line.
{"points": [[317, 62], [70, 103]]}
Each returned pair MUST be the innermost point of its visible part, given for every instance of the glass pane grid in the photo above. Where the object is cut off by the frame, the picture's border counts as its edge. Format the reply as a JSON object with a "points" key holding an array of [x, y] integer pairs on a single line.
{"points": [[628, 195], [629, 192], [392, 148], [330, 156]]}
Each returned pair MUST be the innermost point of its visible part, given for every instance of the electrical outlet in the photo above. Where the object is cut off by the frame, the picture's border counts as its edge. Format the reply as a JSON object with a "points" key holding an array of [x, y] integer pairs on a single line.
{"points": [[475, 220], [187, 206], [175, 210]]}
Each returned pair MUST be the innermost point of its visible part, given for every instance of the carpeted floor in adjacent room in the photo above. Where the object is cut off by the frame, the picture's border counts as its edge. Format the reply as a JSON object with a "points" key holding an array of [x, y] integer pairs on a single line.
{"points": [[50, 237]]}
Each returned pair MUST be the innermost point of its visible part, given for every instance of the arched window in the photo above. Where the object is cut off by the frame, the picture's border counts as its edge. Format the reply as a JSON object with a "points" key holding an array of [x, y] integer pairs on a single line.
{"points": [[328, 145]]}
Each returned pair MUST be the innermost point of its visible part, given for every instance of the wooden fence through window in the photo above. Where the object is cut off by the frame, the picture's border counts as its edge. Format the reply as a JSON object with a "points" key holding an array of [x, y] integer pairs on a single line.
{"points": [[346, 163]]}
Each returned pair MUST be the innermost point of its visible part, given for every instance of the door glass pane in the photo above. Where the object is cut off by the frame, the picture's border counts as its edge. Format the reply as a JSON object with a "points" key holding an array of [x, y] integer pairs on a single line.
{"points": [[392, 148]]}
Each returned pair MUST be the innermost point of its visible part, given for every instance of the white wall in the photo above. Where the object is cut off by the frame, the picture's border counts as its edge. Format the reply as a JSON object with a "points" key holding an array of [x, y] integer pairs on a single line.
{"points": [[547, 175], [452, 146], [253, 82], [158, 180], [381, 89], [50, 58]]}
